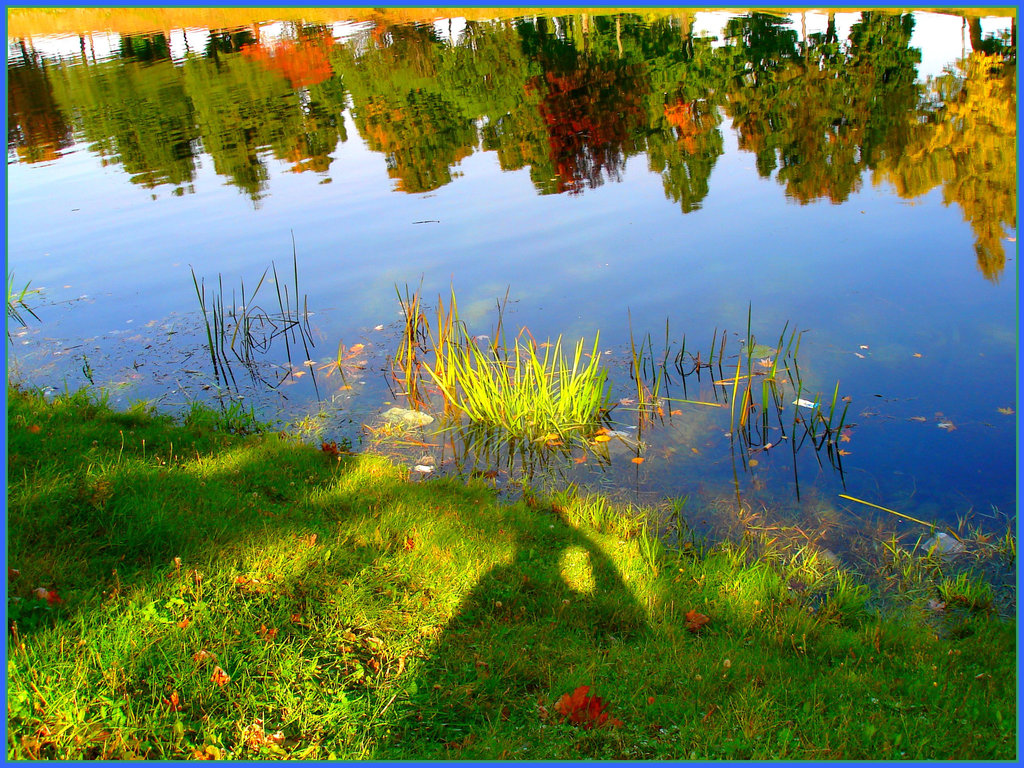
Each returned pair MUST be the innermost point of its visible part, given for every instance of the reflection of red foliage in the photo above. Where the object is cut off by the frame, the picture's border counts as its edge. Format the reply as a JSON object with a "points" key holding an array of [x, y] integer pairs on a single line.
{"points": [[303, 63], [590, 113], [681, 115], [585, 711]]}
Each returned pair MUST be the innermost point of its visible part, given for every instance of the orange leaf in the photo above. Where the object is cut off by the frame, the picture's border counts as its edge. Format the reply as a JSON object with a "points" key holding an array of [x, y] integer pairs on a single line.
{"points": [[675, 412], [694, 620], [220, 677], [844, 453], [173, 704], [580, 460], [637, 459], [34, 429], [602, 439], [183, 624]]}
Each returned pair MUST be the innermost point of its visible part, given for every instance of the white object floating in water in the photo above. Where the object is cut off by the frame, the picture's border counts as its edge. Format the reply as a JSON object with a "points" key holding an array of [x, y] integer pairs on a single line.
{"points": [[423, 468], [804, 403], [378, 327], [616, 433]]}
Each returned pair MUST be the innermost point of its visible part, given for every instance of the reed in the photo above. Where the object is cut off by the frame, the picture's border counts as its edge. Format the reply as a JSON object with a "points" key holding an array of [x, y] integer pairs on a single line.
{"points": [[529, 391], [244, 331], [16, 303]]}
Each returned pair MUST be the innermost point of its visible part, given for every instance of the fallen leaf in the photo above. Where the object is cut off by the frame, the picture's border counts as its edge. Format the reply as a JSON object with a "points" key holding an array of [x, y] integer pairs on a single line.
{"points": [[917, 418], [627, 401], [184, 623], [844, 438], [753, 462], [267, 634], [220, 677], [650, 699], [918, 354], [675, 412], [49, 595], [410, 544], [602, 439], [585, 711], [694, 620], [1005, 411], [203, 655], [12, 574], [637, 459], [580, 460], [843, 453], [34, 429], [946, 425], [863, 346], [858, 354], [173, 704]]}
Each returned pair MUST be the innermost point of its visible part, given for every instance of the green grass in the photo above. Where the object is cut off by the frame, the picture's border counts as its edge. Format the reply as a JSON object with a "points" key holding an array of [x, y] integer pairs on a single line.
{"points": [[528, 391], [361, 614]]}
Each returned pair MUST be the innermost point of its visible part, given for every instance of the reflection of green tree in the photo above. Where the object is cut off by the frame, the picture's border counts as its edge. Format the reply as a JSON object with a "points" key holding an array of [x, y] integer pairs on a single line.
{"points": [[137, 115], [243, 109], [403, 109], [969, 147], [683, 136], [820, 113], [36, 128]]}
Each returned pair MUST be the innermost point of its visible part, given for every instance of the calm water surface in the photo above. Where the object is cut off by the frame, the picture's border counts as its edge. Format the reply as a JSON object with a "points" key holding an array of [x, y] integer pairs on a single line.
{"points": [[850, 176]]}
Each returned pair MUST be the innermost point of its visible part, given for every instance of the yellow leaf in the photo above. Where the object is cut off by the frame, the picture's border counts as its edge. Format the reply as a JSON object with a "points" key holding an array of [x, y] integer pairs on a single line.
{"points": [[602, 439], [1005, 411]]}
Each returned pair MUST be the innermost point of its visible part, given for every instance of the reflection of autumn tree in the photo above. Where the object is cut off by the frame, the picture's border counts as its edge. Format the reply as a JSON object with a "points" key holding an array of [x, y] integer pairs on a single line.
{"points": [[403, 108], [683, 136], [244, 109], [305, 64], [36, 128], [591, 100], [823, 114], [969, 147], [134, 114]]}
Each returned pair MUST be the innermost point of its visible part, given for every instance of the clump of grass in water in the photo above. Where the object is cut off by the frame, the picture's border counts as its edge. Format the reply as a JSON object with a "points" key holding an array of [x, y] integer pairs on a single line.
{"points": [[527, 393], [245, 328], [16, 303]]}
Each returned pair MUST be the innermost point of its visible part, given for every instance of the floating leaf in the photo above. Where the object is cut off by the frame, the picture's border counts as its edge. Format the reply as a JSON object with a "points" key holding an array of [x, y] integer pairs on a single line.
{"points": [[844, 453], [858, 354], [918, 418], [602, 439], [637, 459], [1005, 411], [675, 412], [918, 354], [753, 462]]}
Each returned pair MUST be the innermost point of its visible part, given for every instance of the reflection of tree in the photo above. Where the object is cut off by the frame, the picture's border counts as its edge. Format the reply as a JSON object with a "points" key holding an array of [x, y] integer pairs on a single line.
{"points": [[591, 105], [969, 147], [684, 140], [134, 114], [821, 114], [568, 97], [36, 128], [403, 109]]}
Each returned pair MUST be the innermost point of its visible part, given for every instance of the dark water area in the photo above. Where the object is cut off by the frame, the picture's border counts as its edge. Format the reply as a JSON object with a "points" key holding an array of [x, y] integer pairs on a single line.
{"points": [[850, 176]]}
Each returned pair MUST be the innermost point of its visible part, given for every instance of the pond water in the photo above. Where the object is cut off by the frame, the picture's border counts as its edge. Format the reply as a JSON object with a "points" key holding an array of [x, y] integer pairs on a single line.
{"points": [[848, 176]]}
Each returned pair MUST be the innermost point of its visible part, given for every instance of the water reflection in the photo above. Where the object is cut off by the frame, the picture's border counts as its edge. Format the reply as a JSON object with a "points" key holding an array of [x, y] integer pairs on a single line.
{"points": [[569, 97]]}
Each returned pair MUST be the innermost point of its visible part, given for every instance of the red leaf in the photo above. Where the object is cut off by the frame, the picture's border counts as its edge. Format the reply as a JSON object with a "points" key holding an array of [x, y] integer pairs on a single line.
{"points": [[694, 620], [583, 710]]}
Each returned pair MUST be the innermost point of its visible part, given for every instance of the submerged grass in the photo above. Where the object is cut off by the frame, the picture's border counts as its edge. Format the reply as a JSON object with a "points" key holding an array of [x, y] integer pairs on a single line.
{"points": [[183, 592]]}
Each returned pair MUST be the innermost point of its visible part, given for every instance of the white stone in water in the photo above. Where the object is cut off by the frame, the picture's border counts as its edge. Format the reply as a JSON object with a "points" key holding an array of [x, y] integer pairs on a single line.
{"points": [[409, 417], [944, 544]]}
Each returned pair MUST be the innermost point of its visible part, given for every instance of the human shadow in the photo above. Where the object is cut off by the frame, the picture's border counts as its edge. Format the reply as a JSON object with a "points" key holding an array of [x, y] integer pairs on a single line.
{"points": [[515, 642]]}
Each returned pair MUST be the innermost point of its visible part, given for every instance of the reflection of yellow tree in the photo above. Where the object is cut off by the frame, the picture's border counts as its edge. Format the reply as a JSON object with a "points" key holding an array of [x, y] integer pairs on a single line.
{"points": [[971, 150]]}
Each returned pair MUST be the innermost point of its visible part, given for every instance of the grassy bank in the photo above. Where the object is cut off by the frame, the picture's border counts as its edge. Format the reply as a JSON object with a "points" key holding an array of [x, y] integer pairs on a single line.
{"points": [[181, 591]]}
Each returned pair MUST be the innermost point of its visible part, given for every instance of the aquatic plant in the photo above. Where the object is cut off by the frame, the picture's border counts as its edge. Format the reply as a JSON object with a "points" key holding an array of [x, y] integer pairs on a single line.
{"points": [[244, 329], [16, 303], [537, 392]]}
